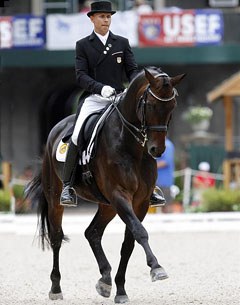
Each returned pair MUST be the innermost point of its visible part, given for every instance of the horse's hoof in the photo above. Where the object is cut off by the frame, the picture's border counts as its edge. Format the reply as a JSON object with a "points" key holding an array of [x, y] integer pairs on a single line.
{"points": [[103, 289], [158, 274], [55, 296], [121, 299]]}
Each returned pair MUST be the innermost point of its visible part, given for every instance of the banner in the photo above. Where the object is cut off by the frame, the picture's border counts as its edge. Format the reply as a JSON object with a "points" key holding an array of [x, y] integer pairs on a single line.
{"points": [[64, 30], [6, 32], [61, 31], [29, 31], [22, 32], [181, 28]]}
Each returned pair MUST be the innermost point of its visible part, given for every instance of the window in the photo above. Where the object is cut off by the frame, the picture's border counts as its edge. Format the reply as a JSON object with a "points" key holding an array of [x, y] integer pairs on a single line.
{"points": [[60, 6], [223, 3]]}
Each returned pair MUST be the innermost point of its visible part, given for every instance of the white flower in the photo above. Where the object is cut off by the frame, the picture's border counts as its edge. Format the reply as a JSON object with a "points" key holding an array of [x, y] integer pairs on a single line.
{"points": [[196, 114]]}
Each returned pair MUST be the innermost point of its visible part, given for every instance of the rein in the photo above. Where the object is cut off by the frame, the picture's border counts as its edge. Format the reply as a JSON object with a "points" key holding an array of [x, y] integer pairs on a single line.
{"points": [[142, 105], [129, 125]]}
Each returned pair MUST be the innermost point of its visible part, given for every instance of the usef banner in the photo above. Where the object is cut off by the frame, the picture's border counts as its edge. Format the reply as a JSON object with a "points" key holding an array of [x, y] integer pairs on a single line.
{"points": [[181, 28]]}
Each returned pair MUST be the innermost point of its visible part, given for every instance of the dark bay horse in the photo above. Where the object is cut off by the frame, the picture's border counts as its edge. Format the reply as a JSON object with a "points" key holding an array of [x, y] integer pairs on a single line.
{"points": [[125, 172]]}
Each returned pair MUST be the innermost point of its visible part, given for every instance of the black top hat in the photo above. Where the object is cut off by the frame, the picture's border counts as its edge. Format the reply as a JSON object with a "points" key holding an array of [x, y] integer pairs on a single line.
{"points": [[101, 7]]}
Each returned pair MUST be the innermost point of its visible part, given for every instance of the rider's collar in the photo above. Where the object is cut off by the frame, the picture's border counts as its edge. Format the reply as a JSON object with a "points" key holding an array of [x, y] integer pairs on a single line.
{"points": [[103, 38]]}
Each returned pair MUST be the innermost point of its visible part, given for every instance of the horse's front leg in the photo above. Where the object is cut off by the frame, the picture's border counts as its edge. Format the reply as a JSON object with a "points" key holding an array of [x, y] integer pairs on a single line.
{"points": [[126, 213], [126, 251], [94, 236]]}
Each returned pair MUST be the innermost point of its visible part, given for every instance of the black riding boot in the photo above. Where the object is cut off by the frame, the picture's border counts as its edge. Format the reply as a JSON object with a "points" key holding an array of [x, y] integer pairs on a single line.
{"points": [[157, 198], [68, 195]]}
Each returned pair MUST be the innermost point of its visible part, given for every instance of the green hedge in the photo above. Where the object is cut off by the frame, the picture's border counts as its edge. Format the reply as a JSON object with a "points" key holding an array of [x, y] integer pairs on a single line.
{"points": [[21, 205], [18, 191], [219, 200], [5, 200]]}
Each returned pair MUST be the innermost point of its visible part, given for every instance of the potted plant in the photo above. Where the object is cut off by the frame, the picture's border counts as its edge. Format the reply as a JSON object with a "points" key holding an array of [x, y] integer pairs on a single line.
{"points": [[198, 117]]}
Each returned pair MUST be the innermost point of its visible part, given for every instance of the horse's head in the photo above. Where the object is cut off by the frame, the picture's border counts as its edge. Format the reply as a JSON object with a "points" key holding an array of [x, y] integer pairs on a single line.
{"points": [[155, 108]]}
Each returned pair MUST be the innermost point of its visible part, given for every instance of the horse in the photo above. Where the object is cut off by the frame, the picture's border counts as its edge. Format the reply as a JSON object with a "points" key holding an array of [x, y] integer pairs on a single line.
{"points": [[124, 171]]}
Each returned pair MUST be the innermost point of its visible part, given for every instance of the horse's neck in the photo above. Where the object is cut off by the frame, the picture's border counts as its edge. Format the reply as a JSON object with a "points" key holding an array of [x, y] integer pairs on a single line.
{"points": [[128, 108], [129, 104]]}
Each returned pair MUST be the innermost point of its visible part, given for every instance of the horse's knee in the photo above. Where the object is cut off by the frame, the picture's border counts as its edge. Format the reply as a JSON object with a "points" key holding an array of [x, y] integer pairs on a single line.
{"points": [[88, 233], [92, 235], [140, 235]]}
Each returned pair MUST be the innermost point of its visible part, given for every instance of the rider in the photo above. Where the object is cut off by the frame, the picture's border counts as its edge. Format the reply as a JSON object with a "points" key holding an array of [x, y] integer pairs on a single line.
{"points": [[102, 60]]}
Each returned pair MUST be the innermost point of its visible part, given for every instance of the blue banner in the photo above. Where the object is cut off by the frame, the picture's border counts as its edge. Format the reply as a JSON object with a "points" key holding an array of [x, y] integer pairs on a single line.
{"points": [[29, 31], [209, 26]]}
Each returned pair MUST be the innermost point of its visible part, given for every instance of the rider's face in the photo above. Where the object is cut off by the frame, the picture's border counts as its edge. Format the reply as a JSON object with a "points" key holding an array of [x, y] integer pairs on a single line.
{"points": [[101, 22]]}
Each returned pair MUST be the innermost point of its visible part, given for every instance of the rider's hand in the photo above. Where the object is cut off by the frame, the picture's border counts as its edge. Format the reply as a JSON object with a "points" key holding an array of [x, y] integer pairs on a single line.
{"points": [[107, 91]]}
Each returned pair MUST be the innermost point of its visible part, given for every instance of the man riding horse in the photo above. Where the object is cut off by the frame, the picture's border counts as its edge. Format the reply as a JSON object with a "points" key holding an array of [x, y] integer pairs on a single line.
{"points": [[102, 61]]}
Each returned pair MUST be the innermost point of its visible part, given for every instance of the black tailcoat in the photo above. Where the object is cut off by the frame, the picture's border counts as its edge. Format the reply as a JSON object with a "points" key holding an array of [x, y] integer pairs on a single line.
{"points": [[98, 65]]}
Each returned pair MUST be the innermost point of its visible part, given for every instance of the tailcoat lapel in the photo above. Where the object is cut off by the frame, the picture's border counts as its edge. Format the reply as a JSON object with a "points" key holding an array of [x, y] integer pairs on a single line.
{"points": [[107, 48], [96, 43]]}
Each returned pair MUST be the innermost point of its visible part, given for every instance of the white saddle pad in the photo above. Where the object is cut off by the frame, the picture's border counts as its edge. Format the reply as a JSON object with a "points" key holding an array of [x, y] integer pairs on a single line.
{"points": [[61, 152]]}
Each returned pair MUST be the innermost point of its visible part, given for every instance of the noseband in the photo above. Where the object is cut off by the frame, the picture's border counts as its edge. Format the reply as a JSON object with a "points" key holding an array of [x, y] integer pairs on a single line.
{"points": [[142, 107]]}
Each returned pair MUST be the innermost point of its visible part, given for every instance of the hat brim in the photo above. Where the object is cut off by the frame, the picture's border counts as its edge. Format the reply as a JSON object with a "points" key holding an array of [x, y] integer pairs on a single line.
{"points": [[94, 12]]}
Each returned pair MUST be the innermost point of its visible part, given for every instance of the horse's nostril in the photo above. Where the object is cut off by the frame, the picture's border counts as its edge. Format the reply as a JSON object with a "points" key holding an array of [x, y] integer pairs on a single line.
{"points": [[152, 150], [155, 151]]}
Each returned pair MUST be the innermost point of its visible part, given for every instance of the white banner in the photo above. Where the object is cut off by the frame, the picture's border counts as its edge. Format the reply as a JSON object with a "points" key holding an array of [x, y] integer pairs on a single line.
{"points": [[64, 30]]}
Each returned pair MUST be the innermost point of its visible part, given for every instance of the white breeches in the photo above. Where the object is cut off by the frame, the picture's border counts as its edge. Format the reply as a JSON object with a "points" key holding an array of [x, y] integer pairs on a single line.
{"points": [[92, 103]]}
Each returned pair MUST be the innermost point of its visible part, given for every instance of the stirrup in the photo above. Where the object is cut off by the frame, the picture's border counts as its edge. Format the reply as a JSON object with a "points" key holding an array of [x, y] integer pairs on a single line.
{"points": [[68, 197], [157, 198]]}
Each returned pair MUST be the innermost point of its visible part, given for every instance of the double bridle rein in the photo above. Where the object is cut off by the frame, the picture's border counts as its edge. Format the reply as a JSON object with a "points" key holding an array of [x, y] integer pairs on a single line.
{"points": [[142, 107]]}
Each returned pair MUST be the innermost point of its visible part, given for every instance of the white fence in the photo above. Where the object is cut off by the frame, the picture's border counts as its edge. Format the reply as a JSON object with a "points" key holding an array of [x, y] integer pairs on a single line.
{"points": [[187, 175]]}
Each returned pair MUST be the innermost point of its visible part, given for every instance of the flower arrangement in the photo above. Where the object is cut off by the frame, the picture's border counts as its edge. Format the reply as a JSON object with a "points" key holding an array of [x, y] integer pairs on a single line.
{"points": [[197, 114]]}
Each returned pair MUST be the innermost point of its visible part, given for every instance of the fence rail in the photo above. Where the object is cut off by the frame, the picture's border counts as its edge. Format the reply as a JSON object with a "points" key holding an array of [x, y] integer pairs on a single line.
{"points": [[187, 174]]}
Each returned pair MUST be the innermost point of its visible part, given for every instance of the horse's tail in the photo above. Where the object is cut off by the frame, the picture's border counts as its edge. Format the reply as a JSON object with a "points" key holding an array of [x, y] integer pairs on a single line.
{"points": [[34, 191]]}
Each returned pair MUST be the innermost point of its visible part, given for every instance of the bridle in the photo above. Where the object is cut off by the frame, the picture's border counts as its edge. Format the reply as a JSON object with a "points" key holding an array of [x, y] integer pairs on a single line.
{"points": [[142, 110], [142, 107]]}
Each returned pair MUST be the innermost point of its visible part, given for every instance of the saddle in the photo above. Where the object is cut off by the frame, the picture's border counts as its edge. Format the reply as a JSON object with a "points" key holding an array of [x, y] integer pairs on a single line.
{"points": [[88, 136], [90, 130], [87, 144]]}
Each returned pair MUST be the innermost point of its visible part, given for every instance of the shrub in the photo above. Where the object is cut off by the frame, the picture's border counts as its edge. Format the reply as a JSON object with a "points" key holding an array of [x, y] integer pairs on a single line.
{"points": [[22, 205], [18, 191], [5, 200], [219, 200]]}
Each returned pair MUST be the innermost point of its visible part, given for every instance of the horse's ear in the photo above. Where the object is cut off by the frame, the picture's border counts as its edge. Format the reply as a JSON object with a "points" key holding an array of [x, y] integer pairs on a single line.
{"points": [[177, 79], [149, 76]]}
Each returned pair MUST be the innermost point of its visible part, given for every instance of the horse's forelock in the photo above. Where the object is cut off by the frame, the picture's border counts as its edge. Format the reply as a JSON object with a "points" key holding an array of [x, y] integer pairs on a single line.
{"points": [[140, 81]]}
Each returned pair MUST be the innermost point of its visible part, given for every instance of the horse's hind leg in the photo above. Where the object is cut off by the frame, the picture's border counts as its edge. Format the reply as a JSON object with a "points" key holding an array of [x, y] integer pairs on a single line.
{"points": [[52, 187], [56, 236], [94, 236]]}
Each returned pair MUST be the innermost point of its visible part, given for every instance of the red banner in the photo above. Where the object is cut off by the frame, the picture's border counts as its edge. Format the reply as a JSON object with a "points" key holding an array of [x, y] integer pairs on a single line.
{"points": [[185, 28], [6, 39]]}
